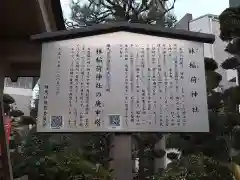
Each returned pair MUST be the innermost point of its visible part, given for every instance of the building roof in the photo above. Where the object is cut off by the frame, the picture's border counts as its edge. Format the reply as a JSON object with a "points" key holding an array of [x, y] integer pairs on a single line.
{"points": [[129, 27], [21, 19], [206, 15], [24, 18]]}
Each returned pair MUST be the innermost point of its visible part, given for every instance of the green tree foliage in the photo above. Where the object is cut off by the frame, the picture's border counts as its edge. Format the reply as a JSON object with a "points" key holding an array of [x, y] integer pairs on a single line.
{"points": [[8, 102], [54, 156], [196, 167], [230, 23], [230, 32], [61, 156], [57, 156], [133, 11]]}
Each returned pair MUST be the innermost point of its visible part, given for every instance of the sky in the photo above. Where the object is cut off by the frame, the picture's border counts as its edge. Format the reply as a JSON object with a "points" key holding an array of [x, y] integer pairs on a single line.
{"points": [[195, 7], [199, 7]]}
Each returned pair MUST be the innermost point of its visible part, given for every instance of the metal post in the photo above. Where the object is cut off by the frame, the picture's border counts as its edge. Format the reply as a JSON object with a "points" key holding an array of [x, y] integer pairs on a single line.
{"points": [[121, 152], [238, 76], [5, 155]]}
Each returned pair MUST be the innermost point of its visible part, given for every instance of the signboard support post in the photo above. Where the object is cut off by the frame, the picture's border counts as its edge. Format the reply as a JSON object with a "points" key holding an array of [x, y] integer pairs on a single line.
{"points": [[5, 155], [121, 153], [160, 163]]}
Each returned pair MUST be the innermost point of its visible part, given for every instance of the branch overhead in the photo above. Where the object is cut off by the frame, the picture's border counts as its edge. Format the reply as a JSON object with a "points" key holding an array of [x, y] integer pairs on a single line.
{"points": [[104, 11]]}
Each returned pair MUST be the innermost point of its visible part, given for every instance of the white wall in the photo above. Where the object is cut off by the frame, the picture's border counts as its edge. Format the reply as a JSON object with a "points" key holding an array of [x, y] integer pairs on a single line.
{"points": [[210, 24], [232, 74], [18, 91], [202, 24]]}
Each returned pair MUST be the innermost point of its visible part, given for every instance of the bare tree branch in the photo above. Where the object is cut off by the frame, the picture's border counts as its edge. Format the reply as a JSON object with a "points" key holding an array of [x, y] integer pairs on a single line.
{"points": [[111, 2], [103, 11], [169, 9]]}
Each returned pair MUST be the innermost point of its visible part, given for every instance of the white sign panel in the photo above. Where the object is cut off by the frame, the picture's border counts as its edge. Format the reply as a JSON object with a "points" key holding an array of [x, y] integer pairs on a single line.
{"points": [[123, 82]]}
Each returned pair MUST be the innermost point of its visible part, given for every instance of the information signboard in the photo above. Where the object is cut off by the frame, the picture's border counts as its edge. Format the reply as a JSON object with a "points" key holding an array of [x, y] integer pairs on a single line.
{"points": [[122, 82]]}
